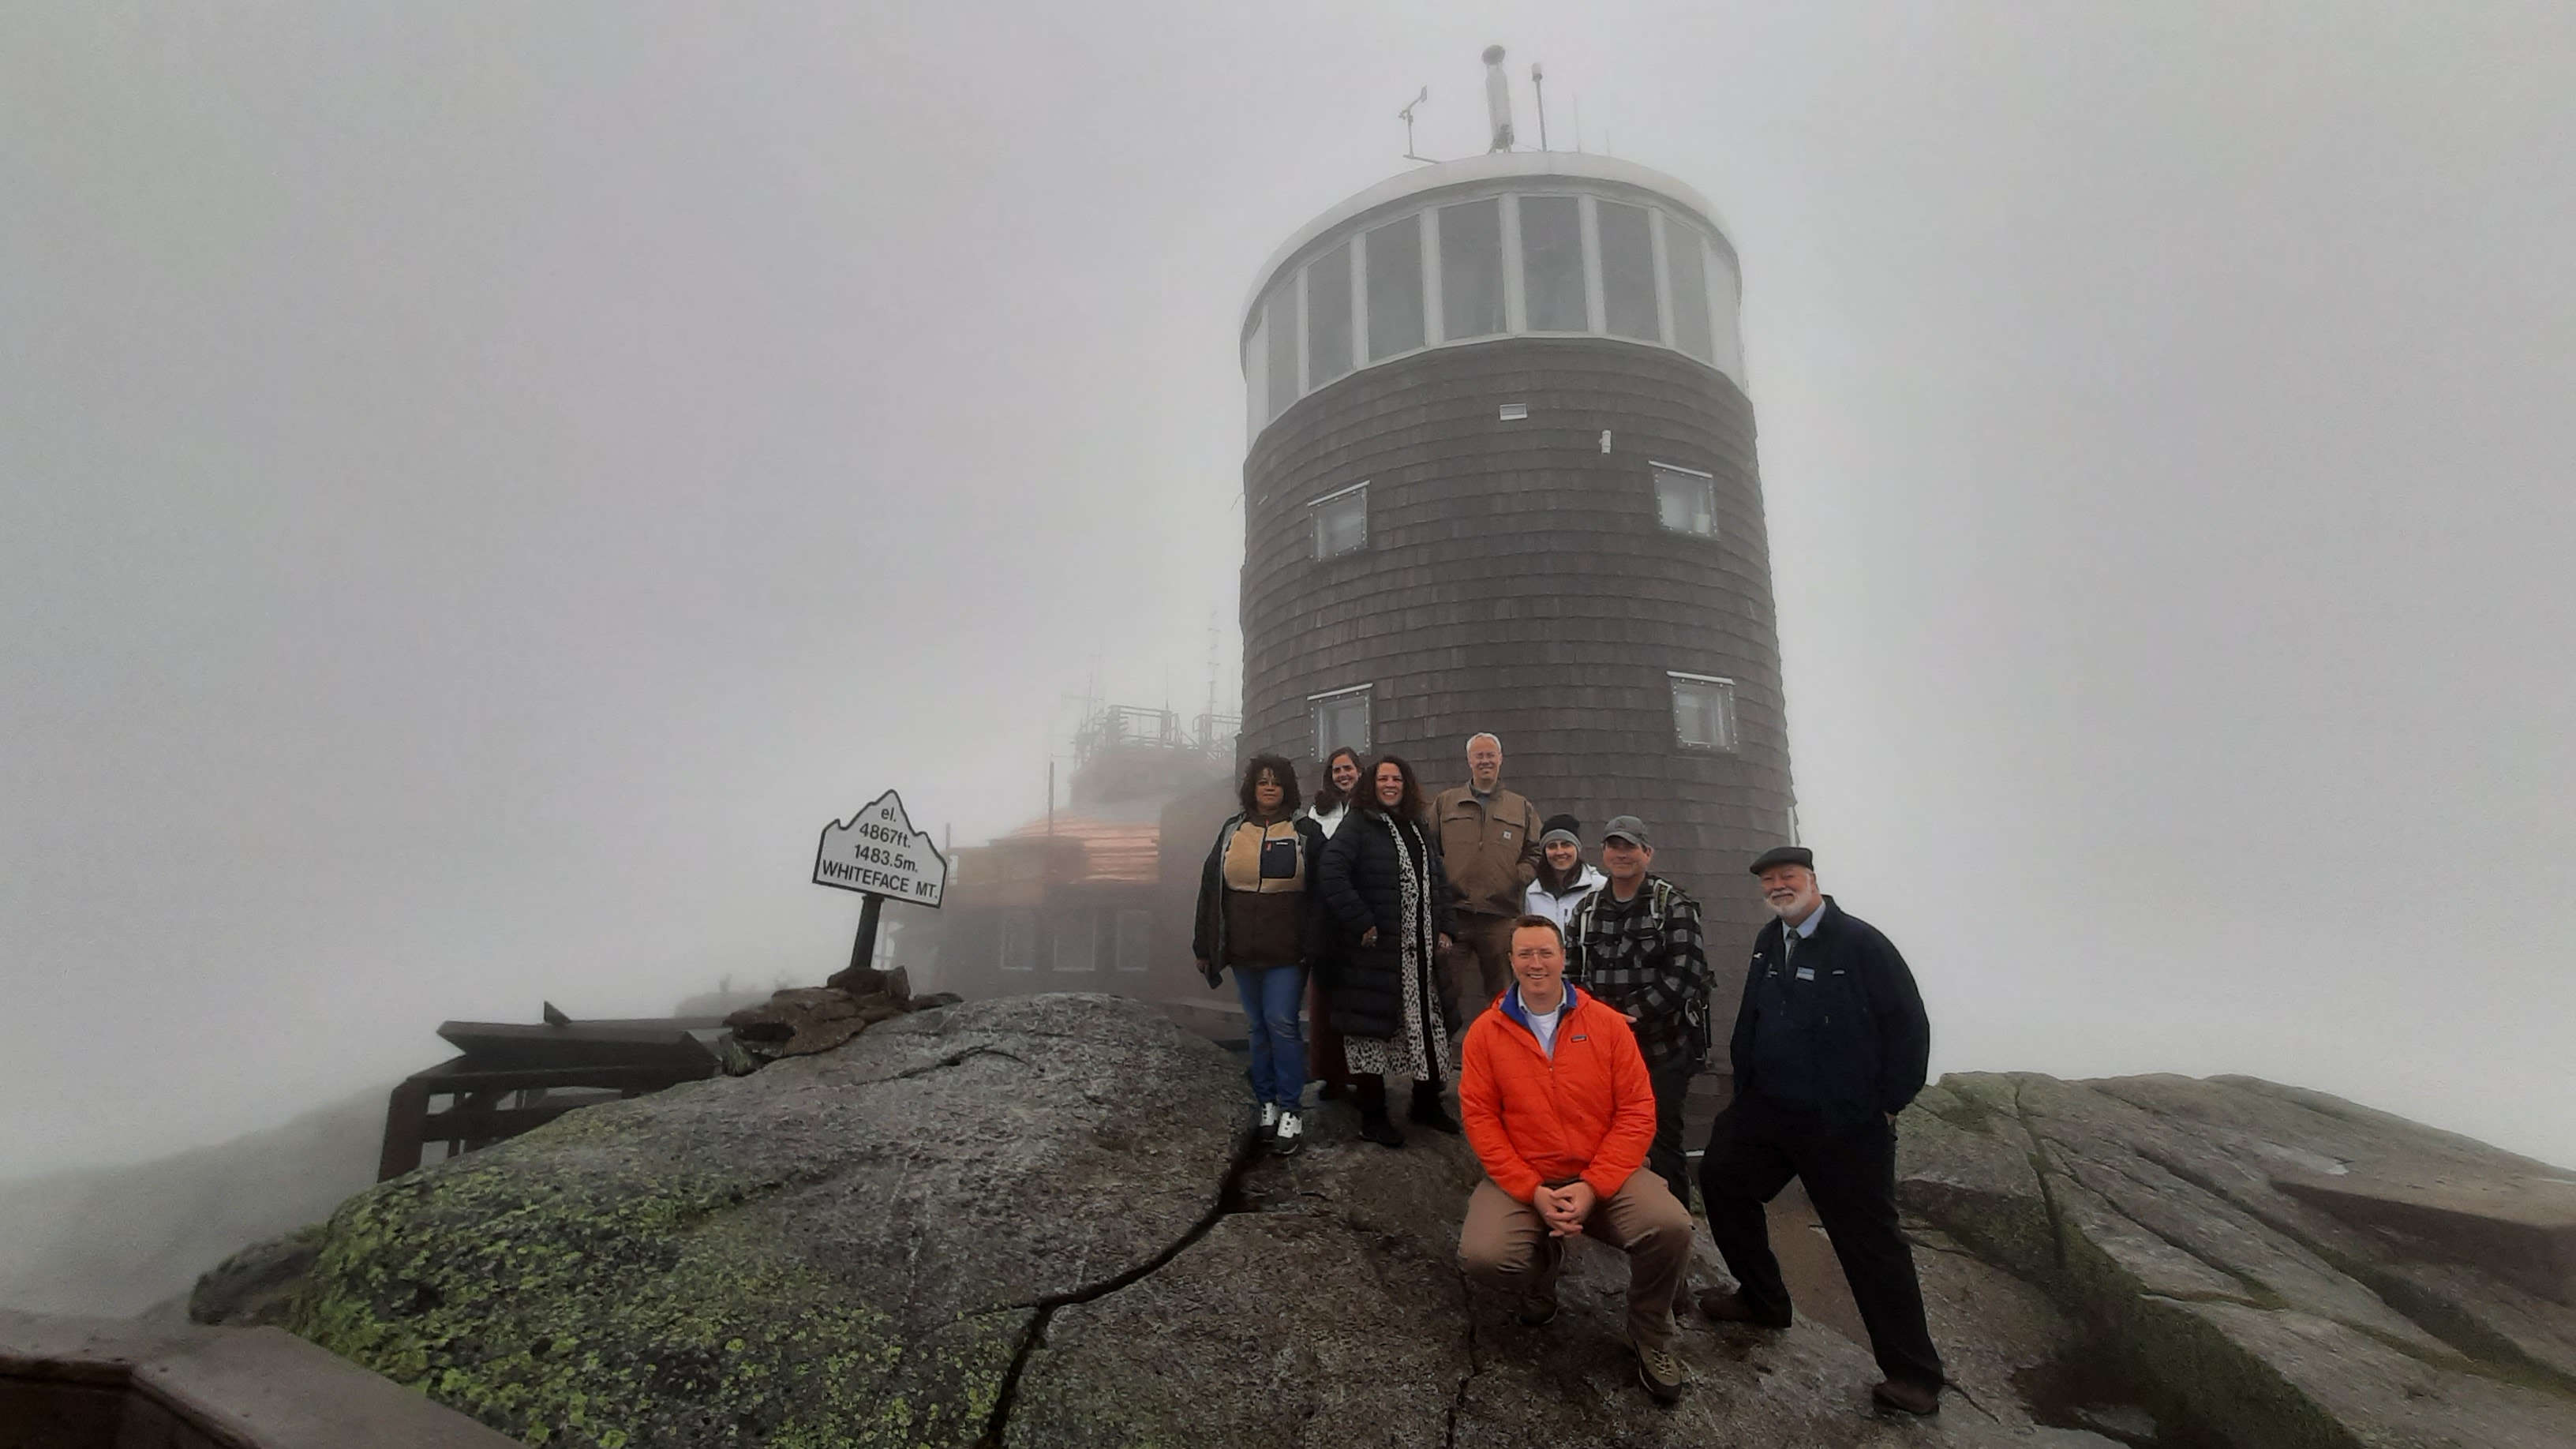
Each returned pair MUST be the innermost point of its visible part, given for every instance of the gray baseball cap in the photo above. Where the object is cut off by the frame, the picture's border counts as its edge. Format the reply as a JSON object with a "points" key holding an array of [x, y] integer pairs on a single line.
{"points": [[1628, 828]]}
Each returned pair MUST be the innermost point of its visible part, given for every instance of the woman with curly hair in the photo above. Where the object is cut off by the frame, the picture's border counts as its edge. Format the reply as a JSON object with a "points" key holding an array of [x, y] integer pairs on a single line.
{"points": [[1383, 885], [1256, 915]]}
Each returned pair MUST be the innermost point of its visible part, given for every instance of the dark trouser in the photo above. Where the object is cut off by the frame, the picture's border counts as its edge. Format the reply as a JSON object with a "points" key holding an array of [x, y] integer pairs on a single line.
{"points": [[1850, 1174], [1665, 1158], [1324, 1060], [1481, 962]]}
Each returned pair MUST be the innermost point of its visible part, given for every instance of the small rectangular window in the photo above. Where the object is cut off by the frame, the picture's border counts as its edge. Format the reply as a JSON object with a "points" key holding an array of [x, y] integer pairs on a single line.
{"points": [[1703, 711], [1395, 288], [1135, 940], [1628, 272], [1341, 522], [1074, 943], [1552, 263], [1019, 941], [1686, 501], [1341, 718], [1280, 321], [1328, 316], [1471, 269], [1686, 282]]}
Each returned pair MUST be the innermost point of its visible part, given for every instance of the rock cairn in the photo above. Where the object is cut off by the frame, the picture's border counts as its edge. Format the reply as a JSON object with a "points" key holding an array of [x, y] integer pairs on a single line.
{"points": [[803, 1020]]}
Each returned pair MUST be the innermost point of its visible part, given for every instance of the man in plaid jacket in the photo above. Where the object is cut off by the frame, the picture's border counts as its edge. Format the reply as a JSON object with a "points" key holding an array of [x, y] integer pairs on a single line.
{"points": [[1635, 944]]}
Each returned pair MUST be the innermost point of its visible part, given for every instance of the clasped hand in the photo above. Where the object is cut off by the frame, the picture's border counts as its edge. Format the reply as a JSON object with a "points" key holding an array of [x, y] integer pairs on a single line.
{"points": [[1565, 1208]]}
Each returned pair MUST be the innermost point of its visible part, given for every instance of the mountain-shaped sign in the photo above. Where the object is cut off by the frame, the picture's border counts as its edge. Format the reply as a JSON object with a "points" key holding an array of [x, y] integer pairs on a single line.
{"points": [[878, 853]]}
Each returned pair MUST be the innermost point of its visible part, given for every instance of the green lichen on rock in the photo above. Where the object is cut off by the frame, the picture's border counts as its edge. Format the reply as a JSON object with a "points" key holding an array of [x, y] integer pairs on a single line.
{"points": [[835, 1253]]}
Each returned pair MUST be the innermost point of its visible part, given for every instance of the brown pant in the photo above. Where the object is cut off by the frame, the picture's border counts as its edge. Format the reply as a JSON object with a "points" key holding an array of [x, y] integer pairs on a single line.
{"points": [[1482, 961], [1501, 1247]]}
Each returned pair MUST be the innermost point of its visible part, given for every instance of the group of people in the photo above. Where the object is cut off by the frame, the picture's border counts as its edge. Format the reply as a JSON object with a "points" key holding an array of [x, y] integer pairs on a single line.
{"points": [[1584, 999]]}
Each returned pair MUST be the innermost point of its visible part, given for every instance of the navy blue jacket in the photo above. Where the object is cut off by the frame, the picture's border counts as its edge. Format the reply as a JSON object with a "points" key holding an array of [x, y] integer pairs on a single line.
{"points": [[1850, 1043]]}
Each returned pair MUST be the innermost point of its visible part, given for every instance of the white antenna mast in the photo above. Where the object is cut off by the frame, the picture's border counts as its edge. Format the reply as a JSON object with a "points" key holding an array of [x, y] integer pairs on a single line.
{"points": [[1406, 116], [1538, 88]]}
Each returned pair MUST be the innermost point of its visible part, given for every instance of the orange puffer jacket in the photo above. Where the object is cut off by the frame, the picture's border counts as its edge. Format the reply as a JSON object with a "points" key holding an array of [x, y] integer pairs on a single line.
{"points": [[1587, 1112]]}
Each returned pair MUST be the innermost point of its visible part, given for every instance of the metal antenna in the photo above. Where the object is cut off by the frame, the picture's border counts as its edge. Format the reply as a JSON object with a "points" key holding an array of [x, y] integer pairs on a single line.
{"points": [[1406, 115], [1538, 86]]}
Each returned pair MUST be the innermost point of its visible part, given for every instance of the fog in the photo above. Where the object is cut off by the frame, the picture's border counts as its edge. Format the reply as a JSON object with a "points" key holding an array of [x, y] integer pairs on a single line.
{"points": [[481, 484]]}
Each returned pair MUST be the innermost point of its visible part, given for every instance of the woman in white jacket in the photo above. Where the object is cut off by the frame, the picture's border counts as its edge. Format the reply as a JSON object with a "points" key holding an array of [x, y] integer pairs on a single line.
{"points": [[1563, 879]]}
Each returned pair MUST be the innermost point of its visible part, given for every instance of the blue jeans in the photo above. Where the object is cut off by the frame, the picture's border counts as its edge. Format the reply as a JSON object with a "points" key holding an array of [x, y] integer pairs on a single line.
{"points": [[1271, 997]]}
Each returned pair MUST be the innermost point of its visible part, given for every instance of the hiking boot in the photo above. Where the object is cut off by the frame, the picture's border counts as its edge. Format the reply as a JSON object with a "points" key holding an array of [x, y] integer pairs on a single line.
{"points": [[1428, 1111], [1292, 1127], [1735, 1308], [1907, 1398], [1269, 1120], [1661, 1373], [1375, 1127]]}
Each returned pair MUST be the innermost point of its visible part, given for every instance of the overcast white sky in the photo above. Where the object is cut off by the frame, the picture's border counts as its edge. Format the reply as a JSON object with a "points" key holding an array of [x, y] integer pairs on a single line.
{"points": [[480, 484]]}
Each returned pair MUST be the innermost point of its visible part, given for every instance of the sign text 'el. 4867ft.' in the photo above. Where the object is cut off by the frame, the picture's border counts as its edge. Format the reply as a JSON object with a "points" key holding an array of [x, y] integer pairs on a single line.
{"points": [[877, 852]]}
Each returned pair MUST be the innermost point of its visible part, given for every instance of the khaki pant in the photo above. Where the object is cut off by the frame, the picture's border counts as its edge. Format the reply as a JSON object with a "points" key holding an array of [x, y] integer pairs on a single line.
{"points": [[1481, 961], [1502, 1247]]}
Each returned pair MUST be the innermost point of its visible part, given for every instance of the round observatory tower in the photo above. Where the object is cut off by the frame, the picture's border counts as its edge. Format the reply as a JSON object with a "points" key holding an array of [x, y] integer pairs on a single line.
{"points": [[1501, 477]]}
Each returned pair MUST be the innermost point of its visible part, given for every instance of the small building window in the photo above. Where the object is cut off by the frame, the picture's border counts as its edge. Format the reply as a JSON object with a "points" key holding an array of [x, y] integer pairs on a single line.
{"points": [[1703, 711], [1686, 500], [1135, 940], [1341, 719], [1341, 522], [1076, 950], [1471, 269], [1628, 272], [1019, 941], [1328, 316], [1395, 288]]}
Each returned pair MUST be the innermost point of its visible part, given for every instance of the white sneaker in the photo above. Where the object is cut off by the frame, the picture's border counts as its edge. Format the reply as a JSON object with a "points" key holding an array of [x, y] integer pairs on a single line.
{"points": [[1292, 1126], [1269, 1119]]}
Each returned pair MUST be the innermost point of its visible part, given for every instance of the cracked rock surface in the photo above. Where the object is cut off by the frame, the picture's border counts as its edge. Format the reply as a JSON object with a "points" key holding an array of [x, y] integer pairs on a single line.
{"points": [[853, 1248], [2169, 1213]]}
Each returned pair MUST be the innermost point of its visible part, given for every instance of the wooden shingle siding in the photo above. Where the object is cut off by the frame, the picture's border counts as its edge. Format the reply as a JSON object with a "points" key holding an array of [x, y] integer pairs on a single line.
{"points": [[1517, 579]]}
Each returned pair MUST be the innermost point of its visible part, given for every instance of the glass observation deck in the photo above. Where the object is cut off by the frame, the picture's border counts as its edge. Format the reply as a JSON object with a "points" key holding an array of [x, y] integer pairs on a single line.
{"points": [[1514, 244]]}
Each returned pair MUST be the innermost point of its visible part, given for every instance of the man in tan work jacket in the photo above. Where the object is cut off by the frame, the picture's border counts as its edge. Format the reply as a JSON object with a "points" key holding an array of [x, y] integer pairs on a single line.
{"points": [[1489, 840]]}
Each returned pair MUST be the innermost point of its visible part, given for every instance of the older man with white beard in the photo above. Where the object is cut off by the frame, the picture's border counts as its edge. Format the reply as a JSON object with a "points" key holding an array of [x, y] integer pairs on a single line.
{"points": [[1830, 1044]]}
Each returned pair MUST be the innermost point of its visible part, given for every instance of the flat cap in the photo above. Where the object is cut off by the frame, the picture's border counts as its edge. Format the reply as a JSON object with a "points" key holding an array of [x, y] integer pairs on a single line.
{"points": [[1784, 855], [1628, 828]]}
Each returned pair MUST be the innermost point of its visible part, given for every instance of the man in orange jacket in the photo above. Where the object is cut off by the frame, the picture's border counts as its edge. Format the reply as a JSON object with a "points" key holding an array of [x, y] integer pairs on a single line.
{"points": [[1558, 1106]]}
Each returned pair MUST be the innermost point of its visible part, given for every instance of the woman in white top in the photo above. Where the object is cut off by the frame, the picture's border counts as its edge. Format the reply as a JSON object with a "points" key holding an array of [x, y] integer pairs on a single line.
{"points": [[1333, 802], [1563, 879]]}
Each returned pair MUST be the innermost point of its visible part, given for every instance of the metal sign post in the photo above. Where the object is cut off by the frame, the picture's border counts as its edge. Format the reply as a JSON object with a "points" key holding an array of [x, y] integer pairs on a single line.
{"points": [[878, 854]]}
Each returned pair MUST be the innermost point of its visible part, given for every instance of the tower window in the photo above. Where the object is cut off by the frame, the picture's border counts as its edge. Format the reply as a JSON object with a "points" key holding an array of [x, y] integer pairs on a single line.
{"points": [[1341, 522], [1703, 711], [1686, 500], [1395, 288], [1280, 323], [1328, 316], [1552, 263], [1628, 272], [1471, 269], [1341, 718], [1019, 940], [1686, 282]]}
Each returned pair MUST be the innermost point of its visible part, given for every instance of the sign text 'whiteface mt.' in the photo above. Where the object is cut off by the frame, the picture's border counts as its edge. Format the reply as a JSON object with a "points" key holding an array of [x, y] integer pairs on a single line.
{"points": [[878, 852]]}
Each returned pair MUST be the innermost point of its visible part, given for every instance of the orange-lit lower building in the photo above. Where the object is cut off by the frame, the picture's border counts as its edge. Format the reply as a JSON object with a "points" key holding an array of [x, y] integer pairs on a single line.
{"points": [[1097, 895]]}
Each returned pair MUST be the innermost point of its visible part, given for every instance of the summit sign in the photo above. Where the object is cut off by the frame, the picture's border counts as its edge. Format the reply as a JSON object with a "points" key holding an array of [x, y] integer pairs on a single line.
{"points": [[877, 852]]}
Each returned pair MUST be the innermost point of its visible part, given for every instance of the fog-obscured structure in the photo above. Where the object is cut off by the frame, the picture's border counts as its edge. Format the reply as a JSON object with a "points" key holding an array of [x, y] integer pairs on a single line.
{"points": [[1502, 477]]}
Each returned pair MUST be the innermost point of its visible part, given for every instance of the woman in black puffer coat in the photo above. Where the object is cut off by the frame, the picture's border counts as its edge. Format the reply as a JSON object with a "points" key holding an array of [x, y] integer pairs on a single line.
{"points": [[1388, 896]]}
